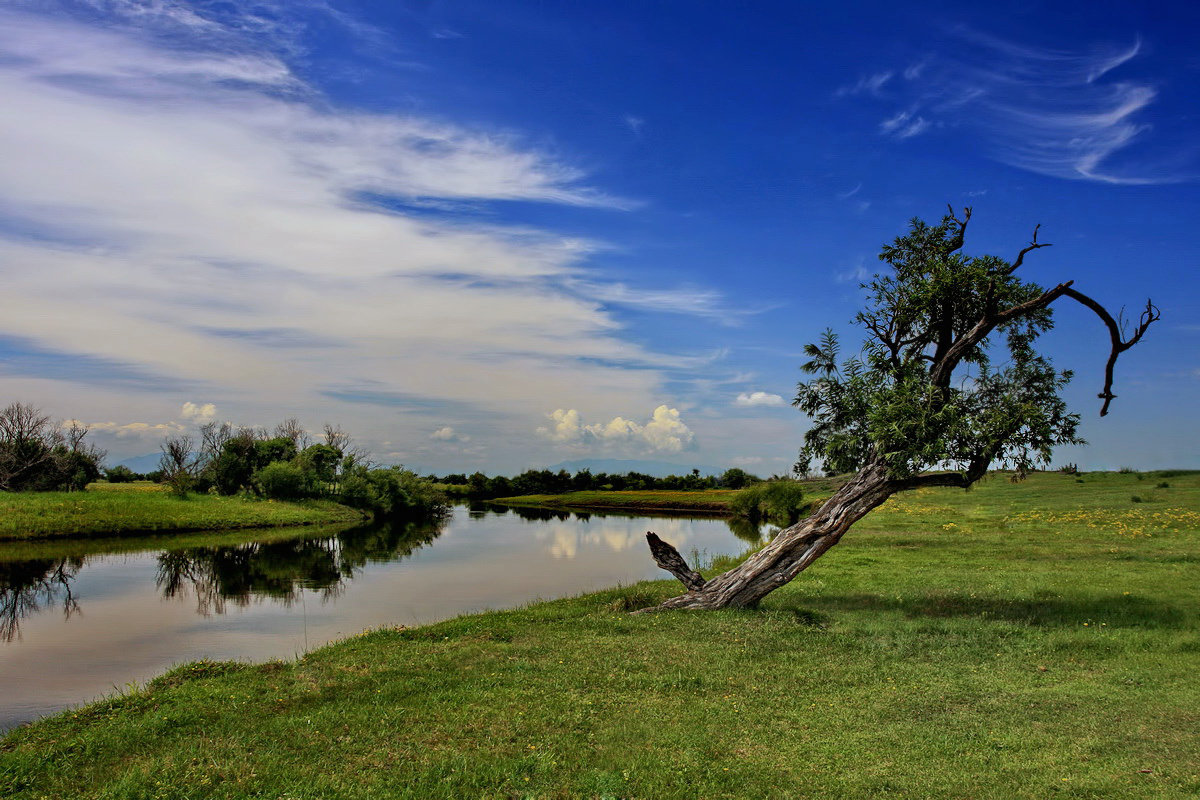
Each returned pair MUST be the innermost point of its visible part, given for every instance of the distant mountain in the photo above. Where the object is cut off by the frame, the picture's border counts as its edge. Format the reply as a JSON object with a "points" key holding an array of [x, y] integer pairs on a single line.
{"points": [[619, 466], [142, 464]]}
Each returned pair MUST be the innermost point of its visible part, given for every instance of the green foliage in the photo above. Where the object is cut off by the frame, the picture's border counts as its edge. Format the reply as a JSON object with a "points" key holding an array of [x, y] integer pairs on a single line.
{"points": [[392, 492], [281, 480], [37, 455], [119, 474], [900, 399], [543, 481], [779, 502], [735, 478]]}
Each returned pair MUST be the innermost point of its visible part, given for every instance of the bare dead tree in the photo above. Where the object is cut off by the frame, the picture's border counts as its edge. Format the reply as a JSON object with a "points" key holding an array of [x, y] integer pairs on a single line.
{"points": [[896, 411], [179, 463], [291, 429]]}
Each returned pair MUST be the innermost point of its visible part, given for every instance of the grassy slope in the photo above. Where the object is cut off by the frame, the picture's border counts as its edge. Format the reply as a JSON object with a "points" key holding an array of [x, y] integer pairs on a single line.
{"points": [[109, 509], [1056, 659]]}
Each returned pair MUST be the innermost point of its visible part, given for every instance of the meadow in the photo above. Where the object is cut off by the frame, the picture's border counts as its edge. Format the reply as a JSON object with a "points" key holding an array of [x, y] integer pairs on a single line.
{"points": [[1026, 640], [109, 509]]}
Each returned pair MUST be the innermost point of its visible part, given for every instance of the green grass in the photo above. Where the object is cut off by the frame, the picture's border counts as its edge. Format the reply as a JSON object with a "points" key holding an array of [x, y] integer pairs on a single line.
{"points": [[135, 508], [708, 501], [1043, 647]]}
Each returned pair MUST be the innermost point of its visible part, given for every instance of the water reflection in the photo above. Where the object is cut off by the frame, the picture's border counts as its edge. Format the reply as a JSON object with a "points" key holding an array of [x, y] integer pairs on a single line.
{"points": [[221, 575], [26, 587], [742, 528], [256, 598]]}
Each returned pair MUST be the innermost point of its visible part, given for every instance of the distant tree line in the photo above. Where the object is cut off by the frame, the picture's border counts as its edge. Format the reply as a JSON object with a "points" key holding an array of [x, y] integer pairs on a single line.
{"points": [[40, 455], [544, 481], [286, 464]]}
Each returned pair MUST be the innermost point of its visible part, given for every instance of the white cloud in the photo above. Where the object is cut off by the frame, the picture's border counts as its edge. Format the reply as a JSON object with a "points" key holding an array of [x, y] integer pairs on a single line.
{"points": [[904, 125], [664, 432], [146, 431], [240, 235], [448, 434], [869, 84], [758, 399], [198, 414], [691, 300]]}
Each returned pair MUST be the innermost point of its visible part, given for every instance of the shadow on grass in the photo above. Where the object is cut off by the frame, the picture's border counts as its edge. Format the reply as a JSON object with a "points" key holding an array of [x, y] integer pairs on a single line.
{"points": [[1115, 611]]}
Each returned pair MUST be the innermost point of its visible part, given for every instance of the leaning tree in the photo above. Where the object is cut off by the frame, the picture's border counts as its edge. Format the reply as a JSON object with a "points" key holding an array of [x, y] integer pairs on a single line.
{"points": [[947, 383]]}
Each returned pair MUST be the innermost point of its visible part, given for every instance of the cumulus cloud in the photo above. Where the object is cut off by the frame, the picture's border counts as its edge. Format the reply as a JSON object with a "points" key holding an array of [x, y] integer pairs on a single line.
{"points": [[664, 432], [199, 414], [448, 434], [758, 399]]}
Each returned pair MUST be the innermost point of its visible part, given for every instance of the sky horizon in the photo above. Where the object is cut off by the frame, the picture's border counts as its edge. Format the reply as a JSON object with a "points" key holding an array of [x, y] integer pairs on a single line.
{"points": [[500, 235]]}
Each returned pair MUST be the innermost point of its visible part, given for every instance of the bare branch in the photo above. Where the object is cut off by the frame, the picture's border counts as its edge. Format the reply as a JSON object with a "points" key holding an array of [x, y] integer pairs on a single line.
{"points": [[1033, 245], [1149, 316], [957, 241], [941, 371], [668, 558]]}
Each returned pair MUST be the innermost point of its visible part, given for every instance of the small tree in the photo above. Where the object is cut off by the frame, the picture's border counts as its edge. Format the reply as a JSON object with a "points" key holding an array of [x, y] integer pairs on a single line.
{"points": [[947, 380], [39, 455], [179, 464]]}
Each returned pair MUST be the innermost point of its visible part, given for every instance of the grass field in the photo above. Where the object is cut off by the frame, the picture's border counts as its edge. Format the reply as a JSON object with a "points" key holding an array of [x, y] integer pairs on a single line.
{"points": [[108, 509], [1017, 641]]}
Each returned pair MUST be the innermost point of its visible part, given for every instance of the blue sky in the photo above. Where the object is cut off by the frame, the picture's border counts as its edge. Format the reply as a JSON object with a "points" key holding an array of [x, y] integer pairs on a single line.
{"points": [[503, 234]]}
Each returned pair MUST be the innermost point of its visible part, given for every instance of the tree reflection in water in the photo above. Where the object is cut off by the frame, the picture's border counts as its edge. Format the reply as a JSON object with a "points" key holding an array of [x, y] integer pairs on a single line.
{"points": [[742, 528], [28, 586], [238, 574]]}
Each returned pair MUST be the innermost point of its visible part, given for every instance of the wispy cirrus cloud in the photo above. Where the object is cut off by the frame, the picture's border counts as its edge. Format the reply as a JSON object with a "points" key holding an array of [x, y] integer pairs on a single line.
{"points": [[868, 84], [1054, 112]]}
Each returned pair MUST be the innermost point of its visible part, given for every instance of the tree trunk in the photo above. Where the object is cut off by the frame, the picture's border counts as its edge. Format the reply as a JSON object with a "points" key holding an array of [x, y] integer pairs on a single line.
{"points": [[793, 549]]}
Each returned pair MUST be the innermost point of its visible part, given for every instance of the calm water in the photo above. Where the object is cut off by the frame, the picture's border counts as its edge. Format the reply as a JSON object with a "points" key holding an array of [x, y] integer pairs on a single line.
{"points": [[75, 625]]}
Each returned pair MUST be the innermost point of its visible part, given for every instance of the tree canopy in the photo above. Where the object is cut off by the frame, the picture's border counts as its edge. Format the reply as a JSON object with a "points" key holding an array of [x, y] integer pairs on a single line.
{"points": [[948, 382]]}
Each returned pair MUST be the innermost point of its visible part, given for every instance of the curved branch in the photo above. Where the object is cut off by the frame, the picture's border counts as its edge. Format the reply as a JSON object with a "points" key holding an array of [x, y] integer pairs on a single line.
{"points": [[1033, 245], [957, 242], [944, 367], [1119, 344], [668, 558]]}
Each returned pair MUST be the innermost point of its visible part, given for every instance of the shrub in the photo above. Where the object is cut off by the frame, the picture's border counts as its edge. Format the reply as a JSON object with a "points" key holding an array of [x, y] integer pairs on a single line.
{"points": [[119, 474], [779, 502], [280, 480], [393, 492]]}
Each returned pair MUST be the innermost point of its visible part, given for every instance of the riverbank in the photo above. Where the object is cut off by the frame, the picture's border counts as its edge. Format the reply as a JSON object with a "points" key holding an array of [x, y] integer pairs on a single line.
{"points": [[988, 505], [132, 509], [939, 661], [709, 501]]}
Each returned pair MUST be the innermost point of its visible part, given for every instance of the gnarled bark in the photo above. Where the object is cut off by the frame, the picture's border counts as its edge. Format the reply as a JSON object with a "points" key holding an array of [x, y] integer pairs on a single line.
{"points": [[793, 549]]}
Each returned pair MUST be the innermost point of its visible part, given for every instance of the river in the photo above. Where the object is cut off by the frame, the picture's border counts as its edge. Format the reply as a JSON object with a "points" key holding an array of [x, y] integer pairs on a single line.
{"points": [[82, 619]]}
